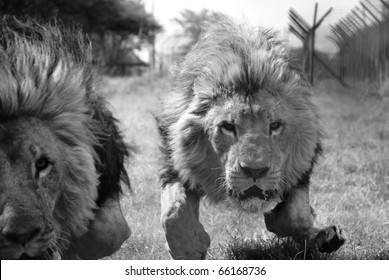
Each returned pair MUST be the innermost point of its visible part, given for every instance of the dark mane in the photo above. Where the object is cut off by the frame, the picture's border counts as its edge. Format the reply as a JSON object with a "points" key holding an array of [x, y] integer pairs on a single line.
{"points": [[47, 73]]}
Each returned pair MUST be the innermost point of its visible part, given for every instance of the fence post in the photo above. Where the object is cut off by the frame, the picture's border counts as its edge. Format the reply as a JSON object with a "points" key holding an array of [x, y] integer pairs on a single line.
{"points": [[312, 48]]}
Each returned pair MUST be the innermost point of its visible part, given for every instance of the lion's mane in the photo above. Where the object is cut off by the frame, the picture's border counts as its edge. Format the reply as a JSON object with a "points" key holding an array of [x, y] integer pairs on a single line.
{"points": [[264, 64], [46, 73]]}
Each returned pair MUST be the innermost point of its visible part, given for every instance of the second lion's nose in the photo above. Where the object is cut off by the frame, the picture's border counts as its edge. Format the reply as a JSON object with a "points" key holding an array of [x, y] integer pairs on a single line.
{"points": [[253, 172]]}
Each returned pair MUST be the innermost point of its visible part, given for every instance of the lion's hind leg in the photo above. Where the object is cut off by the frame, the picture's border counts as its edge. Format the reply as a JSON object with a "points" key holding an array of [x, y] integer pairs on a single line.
{"points": [[185, 235], [295, 218]]}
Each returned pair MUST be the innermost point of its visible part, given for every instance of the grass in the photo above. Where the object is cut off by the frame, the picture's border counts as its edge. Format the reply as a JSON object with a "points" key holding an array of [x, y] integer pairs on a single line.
{"points": [[350, 185]]}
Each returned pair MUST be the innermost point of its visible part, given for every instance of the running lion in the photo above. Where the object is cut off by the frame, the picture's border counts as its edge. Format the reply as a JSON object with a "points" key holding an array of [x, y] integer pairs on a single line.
{"points": [[239, 125]]}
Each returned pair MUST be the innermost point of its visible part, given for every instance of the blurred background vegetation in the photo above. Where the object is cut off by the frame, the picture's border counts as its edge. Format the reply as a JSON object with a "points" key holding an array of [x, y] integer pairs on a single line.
{"points": [[117, 28]]}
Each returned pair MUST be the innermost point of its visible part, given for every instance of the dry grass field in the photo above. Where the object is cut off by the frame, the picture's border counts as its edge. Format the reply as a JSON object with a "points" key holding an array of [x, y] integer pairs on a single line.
{"points": [[350, 185]]}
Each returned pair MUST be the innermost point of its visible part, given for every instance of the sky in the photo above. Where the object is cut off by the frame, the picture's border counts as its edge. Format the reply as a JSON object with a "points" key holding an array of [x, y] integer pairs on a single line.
{"points": [[266, 13]]}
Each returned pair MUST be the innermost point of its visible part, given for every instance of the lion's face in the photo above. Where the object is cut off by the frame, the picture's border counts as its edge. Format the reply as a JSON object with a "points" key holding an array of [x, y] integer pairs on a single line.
{"points": [[30, 172], [249, 137], [264, 144], [34, 166]]}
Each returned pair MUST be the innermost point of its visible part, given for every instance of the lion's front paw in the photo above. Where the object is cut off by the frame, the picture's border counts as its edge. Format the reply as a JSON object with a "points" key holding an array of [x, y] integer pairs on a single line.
{"points": [[330, 239], [186, 241], [185, 235]]}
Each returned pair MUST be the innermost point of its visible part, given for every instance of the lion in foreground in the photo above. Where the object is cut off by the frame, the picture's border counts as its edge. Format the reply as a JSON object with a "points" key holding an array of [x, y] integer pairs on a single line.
{"points": [[61, 152], [239, 126]]}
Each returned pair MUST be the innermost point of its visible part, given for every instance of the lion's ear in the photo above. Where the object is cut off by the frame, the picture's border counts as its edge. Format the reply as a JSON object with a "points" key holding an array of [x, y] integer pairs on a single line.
{"points": [[193, 154]]}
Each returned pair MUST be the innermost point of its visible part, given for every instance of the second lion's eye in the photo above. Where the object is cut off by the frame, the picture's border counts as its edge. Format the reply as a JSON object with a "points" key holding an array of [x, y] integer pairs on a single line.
{"points": [[228, 128], [41, 164], [275, 127]]}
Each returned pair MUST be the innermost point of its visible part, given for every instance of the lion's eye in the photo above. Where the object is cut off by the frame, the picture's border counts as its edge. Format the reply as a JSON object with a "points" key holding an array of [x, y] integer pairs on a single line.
{"points": [[41, 164], [228, 128], [275, 127]]}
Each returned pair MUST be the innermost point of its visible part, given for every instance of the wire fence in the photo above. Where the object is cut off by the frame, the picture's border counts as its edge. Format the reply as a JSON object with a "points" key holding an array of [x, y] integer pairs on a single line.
{"points": [[362, 41]]}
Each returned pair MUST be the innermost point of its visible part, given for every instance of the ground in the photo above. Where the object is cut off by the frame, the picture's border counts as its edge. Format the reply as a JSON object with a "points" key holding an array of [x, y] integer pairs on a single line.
{"points": [[350, 185]]}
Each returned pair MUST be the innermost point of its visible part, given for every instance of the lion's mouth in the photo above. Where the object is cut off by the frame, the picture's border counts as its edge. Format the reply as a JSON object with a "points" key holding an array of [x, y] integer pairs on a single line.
{"points": [[256, 192]]}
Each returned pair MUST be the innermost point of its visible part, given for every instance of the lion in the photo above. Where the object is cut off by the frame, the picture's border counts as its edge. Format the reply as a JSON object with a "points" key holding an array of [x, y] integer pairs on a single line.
{"points": [[239, 126], [62, 154]]}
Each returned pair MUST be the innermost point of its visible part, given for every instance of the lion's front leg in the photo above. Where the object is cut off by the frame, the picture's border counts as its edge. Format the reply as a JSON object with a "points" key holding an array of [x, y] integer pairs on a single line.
{"points": [[106, 234], [294, 217], [185, 235]]}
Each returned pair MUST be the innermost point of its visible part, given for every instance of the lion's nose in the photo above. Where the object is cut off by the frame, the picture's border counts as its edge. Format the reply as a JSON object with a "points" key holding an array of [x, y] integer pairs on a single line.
{"points": [[21, 236], [20, 226], [254, 172]]}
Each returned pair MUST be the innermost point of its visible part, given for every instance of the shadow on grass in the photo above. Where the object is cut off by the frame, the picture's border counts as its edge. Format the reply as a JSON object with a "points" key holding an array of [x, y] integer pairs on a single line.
{"points": [[287, 249]]}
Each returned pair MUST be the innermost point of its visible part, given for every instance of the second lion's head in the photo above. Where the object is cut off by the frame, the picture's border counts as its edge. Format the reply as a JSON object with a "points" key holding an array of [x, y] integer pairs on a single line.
{"points": [[239, 121]]}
